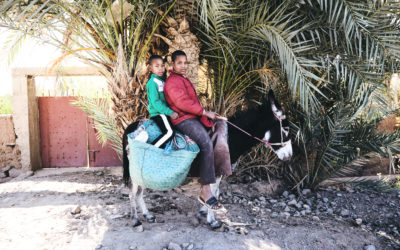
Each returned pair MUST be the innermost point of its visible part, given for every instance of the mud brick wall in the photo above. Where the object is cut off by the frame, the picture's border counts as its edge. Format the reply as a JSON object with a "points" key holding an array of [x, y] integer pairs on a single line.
{"points": [[10, 155]]}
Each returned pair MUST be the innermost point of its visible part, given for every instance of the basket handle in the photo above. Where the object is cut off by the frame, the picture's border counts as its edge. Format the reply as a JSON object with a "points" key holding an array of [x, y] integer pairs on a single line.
{"points": [[176, 143]]}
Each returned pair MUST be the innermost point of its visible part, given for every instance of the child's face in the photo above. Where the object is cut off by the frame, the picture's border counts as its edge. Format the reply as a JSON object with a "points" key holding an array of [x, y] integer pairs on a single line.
{"points": [[180, 65], [157, 67]]}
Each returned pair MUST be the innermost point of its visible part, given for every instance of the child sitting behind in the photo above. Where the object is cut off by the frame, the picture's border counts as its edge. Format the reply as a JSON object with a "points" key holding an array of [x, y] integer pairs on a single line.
{"points": [[158, 107]]}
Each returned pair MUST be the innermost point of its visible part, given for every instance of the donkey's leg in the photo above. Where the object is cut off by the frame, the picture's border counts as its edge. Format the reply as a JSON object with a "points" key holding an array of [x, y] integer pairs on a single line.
{"points": [[210, 214], [149, 217], [132, 196], [202, 212]]}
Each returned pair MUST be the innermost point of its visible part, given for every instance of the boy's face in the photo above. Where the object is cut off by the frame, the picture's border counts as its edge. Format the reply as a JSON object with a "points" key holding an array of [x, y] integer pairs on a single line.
{"points": [[180, 65], [157, 67]]}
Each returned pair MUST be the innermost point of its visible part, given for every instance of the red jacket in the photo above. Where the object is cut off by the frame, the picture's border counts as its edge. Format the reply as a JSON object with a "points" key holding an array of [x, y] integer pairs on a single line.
{"points": [[182, 98]]}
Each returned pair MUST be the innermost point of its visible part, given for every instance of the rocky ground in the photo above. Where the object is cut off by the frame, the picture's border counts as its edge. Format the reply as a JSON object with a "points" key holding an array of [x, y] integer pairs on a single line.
{"points": [[89, 209], [369, 210]]}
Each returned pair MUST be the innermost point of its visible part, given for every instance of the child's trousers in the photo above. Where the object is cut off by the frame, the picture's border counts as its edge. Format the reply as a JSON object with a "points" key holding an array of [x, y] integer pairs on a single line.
{"points": [[165, 126]]}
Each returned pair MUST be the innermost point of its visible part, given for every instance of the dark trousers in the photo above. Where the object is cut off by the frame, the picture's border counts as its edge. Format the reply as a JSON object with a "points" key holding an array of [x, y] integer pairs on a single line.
{"points": [[196, 131], [164, 124]]}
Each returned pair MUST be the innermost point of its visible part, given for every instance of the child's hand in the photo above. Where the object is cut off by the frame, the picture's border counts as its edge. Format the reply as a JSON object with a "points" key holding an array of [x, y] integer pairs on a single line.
{"points": [[210, 114], [174, 115]]}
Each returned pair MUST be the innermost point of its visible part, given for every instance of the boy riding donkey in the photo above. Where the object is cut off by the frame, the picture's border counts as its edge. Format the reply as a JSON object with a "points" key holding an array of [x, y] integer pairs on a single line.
{"points": [[193, 121]]}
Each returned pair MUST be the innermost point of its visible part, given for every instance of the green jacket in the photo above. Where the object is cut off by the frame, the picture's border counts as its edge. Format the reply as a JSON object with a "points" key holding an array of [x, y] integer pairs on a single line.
{"points": [[155, 95]]}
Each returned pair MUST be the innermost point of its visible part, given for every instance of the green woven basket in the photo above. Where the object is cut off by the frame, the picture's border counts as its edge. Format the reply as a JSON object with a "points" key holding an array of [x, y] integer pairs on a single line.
{"points": [[150, 168]]}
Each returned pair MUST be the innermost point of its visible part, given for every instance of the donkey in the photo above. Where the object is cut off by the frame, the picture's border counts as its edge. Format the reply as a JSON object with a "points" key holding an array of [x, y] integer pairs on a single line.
{"points": [[267, 121]]}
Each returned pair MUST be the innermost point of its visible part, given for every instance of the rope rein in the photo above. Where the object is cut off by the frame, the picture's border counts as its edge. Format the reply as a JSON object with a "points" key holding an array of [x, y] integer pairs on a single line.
{"points": [[267, 143]]}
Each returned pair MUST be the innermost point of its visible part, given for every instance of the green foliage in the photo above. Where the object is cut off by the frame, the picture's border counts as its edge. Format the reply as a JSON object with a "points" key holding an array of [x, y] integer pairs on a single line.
{"points": [[14, 41], [380, 185], [6, 105], [334, 57]]}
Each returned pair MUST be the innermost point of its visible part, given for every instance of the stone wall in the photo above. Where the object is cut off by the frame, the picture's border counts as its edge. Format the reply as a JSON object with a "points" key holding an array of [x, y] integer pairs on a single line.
{"points": [[10, 155]]}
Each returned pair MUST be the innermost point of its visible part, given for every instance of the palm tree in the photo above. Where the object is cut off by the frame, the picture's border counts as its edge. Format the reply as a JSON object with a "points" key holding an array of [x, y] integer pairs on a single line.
{"points": [[329, 59], [116, 38]]}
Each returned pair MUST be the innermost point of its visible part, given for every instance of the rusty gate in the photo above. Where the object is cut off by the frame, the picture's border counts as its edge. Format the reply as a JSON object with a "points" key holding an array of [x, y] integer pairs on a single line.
{"points": [[68, 138]]}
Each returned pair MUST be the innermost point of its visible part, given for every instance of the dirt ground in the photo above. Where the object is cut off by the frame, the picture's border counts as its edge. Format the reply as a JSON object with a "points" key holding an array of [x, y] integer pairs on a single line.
{"points": [[89, 209]]}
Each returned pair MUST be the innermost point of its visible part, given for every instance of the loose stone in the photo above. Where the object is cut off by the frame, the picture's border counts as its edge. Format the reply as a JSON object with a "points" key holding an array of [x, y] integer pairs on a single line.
{"points": [[77, 210], [369, 247], [282, 204], [174, 246], [285, 214], [315, 218], [306, 191], [344, 212]]}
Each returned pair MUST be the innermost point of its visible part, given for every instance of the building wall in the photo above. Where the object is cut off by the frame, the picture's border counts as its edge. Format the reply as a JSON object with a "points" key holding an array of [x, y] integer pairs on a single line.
{"points": [[10, 155]]}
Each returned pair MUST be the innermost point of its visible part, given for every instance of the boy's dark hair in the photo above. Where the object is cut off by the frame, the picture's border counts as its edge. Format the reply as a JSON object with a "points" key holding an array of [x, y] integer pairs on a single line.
{"points": [[153, 57], [177, 53]]}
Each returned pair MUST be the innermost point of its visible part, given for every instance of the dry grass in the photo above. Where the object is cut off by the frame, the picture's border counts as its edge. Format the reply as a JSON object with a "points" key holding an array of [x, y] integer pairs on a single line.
{"points": [[388, 125], [259, 163]]}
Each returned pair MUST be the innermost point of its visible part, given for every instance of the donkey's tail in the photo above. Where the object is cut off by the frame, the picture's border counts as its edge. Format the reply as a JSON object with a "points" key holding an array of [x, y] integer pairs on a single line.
{"points": [[125, 161]]}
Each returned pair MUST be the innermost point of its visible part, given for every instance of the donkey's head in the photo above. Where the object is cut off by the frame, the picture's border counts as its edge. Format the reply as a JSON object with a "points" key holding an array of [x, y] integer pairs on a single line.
{"points": [[277, 133]]}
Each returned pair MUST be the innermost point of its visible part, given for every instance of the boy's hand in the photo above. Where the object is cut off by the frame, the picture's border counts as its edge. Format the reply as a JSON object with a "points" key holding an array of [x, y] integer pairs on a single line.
{"points": [[210, 114], [174, 115]]}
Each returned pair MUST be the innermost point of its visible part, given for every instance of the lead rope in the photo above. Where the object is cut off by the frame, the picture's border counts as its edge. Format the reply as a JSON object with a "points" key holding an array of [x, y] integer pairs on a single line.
{"points": [[247, 133], [268, 144]]}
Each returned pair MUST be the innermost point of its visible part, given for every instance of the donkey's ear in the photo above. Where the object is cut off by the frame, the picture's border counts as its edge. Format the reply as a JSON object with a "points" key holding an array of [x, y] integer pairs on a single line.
{"points": [[271, 97], [264, 104], [274, 103]]}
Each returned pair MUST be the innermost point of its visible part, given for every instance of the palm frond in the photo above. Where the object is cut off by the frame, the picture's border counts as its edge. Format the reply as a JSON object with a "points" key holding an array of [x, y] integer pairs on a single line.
{"points": [[104, 121], [368, 32], [217, 19], [13, 45]]}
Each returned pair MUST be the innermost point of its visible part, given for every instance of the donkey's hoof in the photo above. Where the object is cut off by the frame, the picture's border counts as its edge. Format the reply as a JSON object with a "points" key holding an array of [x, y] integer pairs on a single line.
{"points": [[150, 218], [201, 214], [137, 223], [215, 224]]}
